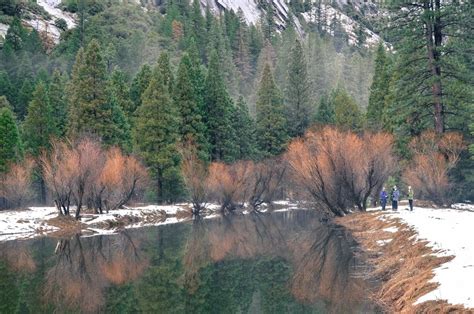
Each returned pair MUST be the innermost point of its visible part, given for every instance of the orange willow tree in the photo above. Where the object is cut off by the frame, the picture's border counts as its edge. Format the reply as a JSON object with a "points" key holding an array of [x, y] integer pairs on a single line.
{"points": [[83, 172], [338, 169], [15, 185], [434, 155]]}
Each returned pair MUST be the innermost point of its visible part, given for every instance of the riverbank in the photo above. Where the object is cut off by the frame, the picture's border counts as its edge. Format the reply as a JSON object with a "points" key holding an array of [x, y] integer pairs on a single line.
{"points": [[39, 221], [423, 259]]}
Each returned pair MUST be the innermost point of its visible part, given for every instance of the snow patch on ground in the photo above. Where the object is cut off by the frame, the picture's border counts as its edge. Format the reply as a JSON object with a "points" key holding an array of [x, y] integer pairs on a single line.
{"points": [[24, 224], [452, 232]]}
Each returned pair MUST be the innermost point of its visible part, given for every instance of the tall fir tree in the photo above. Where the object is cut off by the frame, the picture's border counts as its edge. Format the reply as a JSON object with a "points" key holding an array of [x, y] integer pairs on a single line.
{"points": [[271, 126], [244, 127], [347, 114], [139, 85], [10, 142], [59, 107], [38, 130], [187, 100], [326, 112], [164, 67], [218, 110], [156, 135], [379, 89], [92, 109], [121, 91], [38, 127], [299, 109]]}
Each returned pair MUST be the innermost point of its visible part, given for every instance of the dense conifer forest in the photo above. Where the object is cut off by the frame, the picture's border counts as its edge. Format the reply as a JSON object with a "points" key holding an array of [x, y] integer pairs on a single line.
{"points": [[169, 93]]}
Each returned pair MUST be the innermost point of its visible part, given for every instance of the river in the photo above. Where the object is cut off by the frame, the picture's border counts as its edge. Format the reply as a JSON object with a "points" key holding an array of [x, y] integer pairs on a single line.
{"points": [[285, 262]]}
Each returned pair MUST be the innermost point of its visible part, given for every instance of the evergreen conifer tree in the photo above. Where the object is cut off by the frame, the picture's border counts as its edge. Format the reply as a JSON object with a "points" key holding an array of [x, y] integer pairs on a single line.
{"points": [[10, 143], [347, 113], [378, 91], [325, 113], [57, 99], [244, 127], [189, 104], [298, 99], [139, 85], [93, 110], [271, 123], [38, 127], [121, 91], [156, 134], [218, 110]]}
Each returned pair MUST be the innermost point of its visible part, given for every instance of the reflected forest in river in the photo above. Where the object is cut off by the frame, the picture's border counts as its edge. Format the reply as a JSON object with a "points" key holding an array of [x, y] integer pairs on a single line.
{"points": [[287, 262]]}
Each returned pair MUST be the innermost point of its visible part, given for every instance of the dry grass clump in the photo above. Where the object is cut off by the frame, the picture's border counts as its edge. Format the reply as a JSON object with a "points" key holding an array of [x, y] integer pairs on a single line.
{"points": [[403, 266], [67, 226]]}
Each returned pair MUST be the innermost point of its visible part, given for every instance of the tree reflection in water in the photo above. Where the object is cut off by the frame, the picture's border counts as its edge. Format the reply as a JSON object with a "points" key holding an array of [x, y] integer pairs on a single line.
{"points": [[79, 277], [285, 262], [320, 255]]}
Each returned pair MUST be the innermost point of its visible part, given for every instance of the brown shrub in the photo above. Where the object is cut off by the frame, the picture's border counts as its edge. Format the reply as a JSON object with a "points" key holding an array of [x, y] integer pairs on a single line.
{"points": [[264, 181], [340, 169], [121, 177], [227, 183], [84, 172], [433, 157], [15, 185], [195, 174]]}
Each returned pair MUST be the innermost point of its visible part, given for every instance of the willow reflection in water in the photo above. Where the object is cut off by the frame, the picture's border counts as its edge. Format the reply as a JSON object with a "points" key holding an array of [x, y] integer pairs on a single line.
{"points": [[282, 262]]}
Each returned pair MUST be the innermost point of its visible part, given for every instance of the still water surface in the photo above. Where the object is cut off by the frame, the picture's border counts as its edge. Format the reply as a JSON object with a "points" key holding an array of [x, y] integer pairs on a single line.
{"points": [[285, 262]]}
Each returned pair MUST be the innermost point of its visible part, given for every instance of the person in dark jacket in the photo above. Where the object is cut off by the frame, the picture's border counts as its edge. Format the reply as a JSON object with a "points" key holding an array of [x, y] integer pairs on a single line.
{"points": [[383, 198], [395, 198]]}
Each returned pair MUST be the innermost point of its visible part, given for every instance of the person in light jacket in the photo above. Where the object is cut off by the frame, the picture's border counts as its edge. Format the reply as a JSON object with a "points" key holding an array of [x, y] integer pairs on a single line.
{"points": [[383, 198], [411, 195]]}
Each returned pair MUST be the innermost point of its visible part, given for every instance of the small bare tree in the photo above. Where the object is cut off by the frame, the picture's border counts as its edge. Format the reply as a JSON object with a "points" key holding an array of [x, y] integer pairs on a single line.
{"points": [[227, 183], [15, 185], [195, 175], [433, 157]]}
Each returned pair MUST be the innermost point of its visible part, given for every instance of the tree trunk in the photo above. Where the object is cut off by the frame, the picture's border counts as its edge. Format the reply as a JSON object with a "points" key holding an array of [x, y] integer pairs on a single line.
{"points": [[434, 38]]}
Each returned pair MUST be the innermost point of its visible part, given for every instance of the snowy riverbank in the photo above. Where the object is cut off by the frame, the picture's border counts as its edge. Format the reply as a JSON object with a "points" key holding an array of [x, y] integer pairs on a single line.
{"points": [[451, 231]]}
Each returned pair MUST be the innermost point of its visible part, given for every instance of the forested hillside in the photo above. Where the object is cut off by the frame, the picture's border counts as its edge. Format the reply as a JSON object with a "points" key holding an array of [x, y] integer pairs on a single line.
{"points": [[163, 81]]}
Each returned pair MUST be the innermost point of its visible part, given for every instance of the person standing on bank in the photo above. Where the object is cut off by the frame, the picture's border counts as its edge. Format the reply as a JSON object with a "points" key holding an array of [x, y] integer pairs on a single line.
{"points": [[395, 198], [411, 194], [383, 198]]}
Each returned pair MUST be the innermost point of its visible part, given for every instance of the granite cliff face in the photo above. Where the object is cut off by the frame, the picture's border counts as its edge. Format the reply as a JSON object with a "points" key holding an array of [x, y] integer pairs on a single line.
{"points": [[318, 12]]}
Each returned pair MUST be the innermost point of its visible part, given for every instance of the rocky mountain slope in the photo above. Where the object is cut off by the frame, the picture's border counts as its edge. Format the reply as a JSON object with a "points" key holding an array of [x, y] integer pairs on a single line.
{"points": [[252, 11]]}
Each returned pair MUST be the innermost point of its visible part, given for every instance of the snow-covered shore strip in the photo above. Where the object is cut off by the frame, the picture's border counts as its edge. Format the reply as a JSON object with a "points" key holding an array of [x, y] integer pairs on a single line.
{"points": [[33, 222], [452, 232]]}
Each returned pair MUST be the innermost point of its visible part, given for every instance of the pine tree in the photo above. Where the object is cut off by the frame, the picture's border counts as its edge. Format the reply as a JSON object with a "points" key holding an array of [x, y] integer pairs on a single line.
{"points": [[139, 85], [164, 67], [326, 112], [121, 91], [271, 123], [24, 97], [244, 127], [156, 135], [298, 99], [16, 35], [218, 109], [38, 127], [431, 40], [347, 113], [378, 91], [10, 144], [92, 109], [58, 102], [189, 104]]}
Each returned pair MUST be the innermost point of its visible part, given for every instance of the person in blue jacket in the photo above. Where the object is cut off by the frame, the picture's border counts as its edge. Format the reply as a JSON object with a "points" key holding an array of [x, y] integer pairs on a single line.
{"points": [[395, 198], [383, 198]]}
